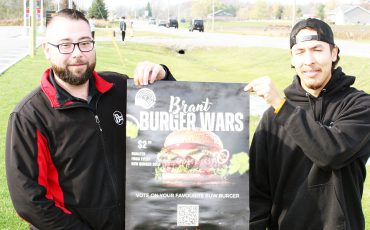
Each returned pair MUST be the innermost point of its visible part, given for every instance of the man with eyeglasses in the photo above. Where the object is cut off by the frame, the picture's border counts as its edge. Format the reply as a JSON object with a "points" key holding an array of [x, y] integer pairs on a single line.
{"points": [[65, 146]]}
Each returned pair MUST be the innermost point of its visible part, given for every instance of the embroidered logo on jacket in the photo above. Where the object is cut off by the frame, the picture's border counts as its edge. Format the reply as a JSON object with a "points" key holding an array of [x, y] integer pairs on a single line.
{"points": [[118, 117]]}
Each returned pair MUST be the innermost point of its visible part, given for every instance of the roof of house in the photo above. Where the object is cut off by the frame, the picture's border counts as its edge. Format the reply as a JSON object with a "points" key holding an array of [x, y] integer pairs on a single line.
{"points": [[348, 8], [220, 13]]}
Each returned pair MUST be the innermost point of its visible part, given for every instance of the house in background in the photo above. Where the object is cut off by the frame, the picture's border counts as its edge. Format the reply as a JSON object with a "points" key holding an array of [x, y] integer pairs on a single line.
{"points": [[220, 14], [349, 14]]}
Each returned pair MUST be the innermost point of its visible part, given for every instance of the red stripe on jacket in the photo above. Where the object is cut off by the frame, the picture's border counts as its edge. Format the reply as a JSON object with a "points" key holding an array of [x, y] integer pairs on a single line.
{"points": [[48, 174], [101, 85]]}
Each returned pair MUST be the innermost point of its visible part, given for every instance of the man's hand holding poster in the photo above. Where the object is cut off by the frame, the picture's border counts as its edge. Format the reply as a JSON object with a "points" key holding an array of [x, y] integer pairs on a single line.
{"points": [[187, 156]]}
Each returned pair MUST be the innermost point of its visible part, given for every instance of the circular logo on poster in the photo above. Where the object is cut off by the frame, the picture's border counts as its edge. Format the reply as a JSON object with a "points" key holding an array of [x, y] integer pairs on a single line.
{"points": [[145, 98]]}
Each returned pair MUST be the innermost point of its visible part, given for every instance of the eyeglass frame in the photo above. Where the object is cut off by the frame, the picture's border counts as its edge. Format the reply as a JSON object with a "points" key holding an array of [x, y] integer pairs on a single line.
{"points": [[74, 46]]}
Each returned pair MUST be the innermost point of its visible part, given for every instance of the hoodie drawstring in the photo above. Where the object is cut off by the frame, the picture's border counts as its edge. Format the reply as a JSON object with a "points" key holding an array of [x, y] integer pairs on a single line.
{"points": [[322, 106], [313, 107]]}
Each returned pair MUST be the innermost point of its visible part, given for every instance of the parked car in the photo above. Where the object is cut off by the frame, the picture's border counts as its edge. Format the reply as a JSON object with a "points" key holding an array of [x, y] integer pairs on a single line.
{"points": [[162, 23], [196, 24], [152, 21], [173, 23]]}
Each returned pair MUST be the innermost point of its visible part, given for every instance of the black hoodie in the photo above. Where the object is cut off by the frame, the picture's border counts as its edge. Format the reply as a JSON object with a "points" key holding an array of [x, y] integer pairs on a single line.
{"points": [[308, 161]]}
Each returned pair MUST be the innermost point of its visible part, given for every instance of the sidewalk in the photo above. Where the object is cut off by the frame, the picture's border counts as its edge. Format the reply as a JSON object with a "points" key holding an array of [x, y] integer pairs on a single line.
{"points": [[14, 46]]}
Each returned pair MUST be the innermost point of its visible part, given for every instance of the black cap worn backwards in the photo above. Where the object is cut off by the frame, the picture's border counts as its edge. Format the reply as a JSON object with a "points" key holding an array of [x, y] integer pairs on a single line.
{"points": [[324, 32]]}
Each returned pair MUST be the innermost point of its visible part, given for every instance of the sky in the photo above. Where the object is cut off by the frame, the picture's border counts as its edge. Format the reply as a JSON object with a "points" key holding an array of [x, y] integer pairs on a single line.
{"points": [[111, 4], [114, 3]]}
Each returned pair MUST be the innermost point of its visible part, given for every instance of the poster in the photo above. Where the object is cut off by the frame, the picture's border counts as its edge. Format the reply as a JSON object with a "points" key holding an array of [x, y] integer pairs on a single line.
{"points": [[187, 156]]}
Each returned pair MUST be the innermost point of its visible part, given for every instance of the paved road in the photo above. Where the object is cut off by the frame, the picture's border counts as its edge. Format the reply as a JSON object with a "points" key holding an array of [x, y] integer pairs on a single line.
{"points": [[13, 46], [183, 38]]}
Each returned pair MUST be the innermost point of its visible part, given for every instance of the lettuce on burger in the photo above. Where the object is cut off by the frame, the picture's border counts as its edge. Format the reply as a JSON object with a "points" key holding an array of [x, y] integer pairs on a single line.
{"points": [[192, 157]]}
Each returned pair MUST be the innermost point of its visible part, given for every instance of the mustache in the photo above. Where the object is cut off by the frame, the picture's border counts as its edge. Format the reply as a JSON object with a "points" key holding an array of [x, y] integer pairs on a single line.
{"points": [[78, 62], [311, 68]]}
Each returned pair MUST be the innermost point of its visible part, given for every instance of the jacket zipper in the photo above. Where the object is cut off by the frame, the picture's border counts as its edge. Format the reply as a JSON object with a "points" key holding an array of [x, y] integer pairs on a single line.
{"points": [[111, 176], [98, 122]]}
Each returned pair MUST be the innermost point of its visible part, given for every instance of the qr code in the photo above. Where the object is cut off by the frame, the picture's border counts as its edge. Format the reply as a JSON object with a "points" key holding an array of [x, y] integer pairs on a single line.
{"points": [[187, 215]]}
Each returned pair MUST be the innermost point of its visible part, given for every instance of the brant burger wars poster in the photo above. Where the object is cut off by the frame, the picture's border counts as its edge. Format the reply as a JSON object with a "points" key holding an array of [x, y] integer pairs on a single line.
{"points": [[187, 156]]}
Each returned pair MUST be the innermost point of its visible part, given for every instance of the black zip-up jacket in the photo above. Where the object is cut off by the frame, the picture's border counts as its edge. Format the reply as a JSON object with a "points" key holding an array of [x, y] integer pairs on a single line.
{"points": [[307, 163], [65, 158]]}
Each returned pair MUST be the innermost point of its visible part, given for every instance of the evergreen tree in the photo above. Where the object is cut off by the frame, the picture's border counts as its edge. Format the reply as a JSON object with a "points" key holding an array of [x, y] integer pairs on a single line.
{"points": [[149, 10], [98, 10]]}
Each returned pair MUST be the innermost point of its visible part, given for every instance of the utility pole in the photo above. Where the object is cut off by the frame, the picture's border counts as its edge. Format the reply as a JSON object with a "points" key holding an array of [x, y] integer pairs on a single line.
{"points": [[33, 28], [25, 19], [293, 13], [178, 12], [41, 28], [213, 15], [168, 9]]}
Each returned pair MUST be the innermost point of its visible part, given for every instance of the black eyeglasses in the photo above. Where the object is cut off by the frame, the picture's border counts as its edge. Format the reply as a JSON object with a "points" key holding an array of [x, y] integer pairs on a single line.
{"points": [[67, 48]]}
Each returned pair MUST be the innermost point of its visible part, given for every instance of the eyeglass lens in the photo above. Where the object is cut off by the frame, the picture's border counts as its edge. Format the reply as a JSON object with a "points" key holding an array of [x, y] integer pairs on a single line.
{"points": [[85, 46]]}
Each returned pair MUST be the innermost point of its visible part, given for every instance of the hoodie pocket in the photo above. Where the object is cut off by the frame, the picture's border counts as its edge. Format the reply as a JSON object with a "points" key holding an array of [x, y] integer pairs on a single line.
{"points": [[317, 207]]}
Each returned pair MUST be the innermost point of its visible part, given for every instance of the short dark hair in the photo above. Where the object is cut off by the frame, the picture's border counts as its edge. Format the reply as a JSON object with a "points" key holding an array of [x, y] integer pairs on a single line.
{"points": [[69, 14]]}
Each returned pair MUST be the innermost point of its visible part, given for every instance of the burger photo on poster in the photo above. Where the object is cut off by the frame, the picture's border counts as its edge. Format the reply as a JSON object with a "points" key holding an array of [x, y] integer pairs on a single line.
{"points": [[196, 157]]}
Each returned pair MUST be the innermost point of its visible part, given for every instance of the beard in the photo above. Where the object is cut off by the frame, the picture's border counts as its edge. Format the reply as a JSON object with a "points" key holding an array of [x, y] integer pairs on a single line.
{"points": [[76, 77]]}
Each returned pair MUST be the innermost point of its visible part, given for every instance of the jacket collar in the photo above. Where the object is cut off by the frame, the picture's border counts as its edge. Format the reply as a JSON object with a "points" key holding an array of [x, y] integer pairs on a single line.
{"points": [[101, 85]]}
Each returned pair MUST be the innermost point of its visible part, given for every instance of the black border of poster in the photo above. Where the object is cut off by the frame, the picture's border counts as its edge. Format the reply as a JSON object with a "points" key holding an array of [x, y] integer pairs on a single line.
{"points": [[153, 113]]}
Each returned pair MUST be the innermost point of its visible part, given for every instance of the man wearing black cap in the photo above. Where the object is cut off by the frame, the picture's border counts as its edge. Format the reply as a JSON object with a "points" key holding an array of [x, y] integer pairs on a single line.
{"points": [[308, 154]]}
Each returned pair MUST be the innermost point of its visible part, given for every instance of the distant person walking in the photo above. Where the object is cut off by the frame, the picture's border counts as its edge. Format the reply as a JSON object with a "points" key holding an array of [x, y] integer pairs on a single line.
{"points": [[122, 27]]}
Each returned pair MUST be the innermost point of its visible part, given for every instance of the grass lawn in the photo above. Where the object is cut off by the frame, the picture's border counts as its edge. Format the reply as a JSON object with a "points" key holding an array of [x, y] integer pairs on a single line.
{"points": [[203, 64]]}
